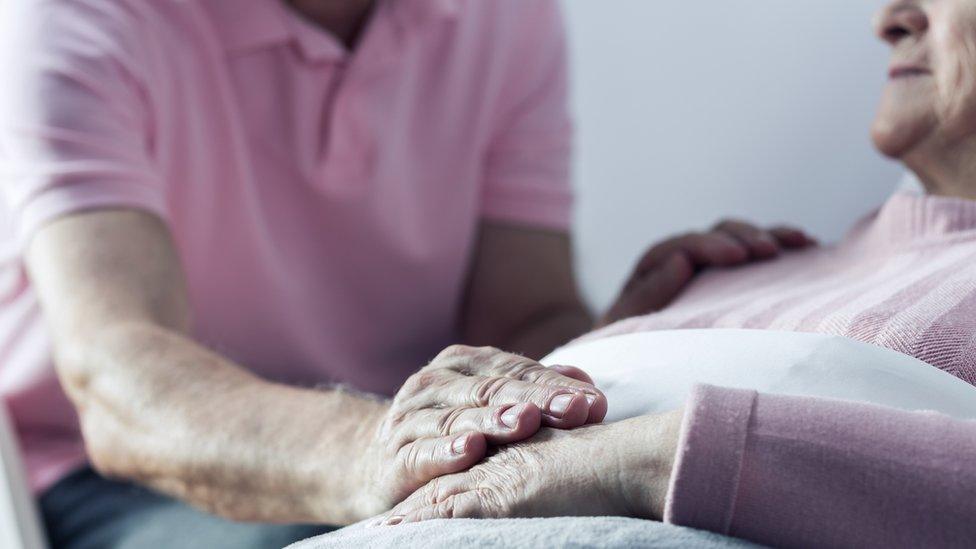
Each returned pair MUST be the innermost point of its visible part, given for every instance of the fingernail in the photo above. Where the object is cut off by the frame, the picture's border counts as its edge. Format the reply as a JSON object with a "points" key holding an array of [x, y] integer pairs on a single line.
{"points": [[458, 445], [394, 520], [560, 404], [590, 399], [510, 417]]}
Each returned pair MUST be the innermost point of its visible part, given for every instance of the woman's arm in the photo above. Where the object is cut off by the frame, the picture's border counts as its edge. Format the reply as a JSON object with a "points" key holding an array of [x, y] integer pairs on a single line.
{"points": [[778, 470], [790, 471]]}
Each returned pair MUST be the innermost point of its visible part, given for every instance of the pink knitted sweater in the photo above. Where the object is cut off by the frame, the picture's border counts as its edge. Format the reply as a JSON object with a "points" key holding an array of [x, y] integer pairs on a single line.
{"points": [[792, 471]]}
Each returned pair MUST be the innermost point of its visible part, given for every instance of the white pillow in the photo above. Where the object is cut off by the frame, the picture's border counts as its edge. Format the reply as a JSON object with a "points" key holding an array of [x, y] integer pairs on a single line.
{"points": [[651, 372]]}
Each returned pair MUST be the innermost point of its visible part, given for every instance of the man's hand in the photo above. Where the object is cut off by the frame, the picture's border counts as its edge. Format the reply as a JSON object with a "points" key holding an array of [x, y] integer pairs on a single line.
{"points": [[666, 269], [620, 469], [446, 415]]}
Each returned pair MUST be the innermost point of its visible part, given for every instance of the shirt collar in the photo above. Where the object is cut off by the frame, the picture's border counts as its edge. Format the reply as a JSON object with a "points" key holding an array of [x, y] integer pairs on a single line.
{"points": [[243, 26]]}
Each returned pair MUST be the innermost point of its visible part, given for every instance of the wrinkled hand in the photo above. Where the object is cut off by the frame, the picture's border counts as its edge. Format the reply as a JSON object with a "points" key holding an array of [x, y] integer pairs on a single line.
{"points": [[445, 416], [667, 268], [620, 469]]}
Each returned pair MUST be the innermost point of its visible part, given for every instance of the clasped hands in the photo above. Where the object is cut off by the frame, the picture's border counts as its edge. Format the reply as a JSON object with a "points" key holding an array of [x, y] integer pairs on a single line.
{"points": [[484, 433]]}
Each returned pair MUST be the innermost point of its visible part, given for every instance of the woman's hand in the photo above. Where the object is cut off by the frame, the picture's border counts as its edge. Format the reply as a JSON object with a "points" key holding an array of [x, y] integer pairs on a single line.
{"points": [[620, 469], [445, 416], [667, 268]]}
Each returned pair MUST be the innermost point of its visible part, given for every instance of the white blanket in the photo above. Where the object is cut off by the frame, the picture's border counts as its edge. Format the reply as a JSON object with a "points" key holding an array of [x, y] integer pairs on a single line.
{"points": [[530, 533], [653, 372]]}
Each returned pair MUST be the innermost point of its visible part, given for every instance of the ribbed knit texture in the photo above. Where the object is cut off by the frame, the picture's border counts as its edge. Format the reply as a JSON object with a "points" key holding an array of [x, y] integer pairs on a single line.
{"points": [[904, 278]]}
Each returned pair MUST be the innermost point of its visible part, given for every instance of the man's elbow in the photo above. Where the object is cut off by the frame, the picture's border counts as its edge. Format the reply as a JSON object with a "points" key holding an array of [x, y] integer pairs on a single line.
{"points": [[108, 459], [103, 408]]}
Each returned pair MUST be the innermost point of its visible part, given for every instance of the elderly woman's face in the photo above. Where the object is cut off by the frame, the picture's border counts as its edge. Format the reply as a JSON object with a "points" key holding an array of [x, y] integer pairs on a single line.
{"points": [[931, 91]]}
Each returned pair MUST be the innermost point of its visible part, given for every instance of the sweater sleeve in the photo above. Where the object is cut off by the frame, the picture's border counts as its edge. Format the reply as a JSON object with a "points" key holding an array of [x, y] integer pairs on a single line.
{"points": [[791, 471]]}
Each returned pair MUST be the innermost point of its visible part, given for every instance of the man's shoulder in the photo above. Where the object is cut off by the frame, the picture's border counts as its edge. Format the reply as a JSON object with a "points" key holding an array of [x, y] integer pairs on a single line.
{"points": [[523, 37], [106, 11], [98, 21], [511, 17], [73, 33]]}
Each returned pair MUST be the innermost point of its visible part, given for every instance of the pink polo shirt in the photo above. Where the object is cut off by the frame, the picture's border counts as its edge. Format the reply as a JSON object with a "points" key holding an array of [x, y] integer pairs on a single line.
{"points": [[324, 203]]}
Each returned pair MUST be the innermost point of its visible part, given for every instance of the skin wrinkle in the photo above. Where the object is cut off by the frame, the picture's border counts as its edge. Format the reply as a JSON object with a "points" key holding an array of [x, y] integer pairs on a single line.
{"points": [[959, 83], [583, 472]]}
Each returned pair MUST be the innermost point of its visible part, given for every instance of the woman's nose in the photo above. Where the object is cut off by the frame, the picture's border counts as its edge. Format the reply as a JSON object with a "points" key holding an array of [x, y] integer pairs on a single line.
{"points": [[901, 20]]}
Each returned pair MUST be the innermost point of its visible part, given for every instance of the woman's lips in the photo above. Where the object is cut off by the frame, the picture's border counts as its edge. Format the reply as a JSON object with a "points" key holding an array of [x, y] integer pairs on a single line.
{"points": [[906, 71]]}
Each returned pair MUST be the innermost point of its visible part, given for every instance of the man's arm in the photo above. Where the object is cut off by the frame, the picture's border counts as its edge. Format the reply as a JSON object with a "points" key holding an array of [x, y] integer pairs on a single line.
{"points": [[157, 408], [522, 294]]}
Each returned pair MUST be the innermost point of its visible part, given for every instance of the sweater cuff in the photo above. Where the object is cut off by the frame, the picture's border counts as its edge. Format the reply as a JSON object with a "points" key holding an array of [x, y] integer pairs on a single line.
{"points": [[707, 466]]}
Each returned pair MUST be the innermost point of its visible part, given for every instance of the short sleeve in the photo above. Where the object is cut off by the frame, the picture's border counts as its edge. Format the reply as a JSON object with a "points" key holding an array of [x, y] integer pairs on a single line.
{"points": [[75, 122], [527, 175]]}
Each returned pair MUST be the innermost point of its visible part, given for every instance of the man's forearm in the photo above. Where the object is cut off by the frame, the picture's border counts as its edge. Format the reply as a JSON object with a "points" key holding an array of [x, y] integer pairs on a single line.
{"points": [[546, 333], [159, 409]]}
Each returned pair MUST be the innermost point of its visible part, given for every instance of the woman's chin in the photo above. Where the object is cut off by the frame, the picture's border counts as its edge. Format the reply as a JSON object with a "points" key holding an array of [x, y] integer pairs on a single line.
{"points": [[895, 140]]}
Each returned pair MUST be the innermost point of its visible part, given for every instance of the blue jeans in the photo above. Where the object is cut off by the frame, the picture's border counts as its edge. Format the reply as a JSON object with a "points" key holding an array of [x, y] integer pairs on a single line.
{"points": [[87, 511]]}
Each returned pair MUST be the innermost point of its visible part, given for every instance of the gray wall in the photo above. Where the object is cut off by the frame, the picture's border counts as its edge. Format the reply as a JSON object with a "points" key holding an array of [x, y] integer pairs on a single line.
{"points": [[688, 111]]}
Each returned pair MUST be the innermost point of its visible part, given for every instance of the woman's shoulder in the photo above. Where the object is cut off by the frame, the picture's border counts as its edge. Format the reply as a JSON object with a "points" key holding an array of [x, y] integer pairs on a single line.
{"points": [[912, 221]]}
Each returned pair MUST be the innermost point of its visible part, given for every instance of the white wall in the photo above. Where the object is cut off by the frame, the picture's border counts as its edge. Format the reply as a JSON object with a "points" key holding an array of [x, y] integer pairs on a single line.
{"points": [[689, 111]]}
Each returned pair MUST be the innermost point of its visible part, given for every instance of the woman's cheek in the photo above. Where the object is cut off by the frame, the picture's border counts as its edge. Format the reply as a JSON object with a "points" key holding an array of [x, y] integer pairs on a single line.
{"points": [[955, 51]]}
